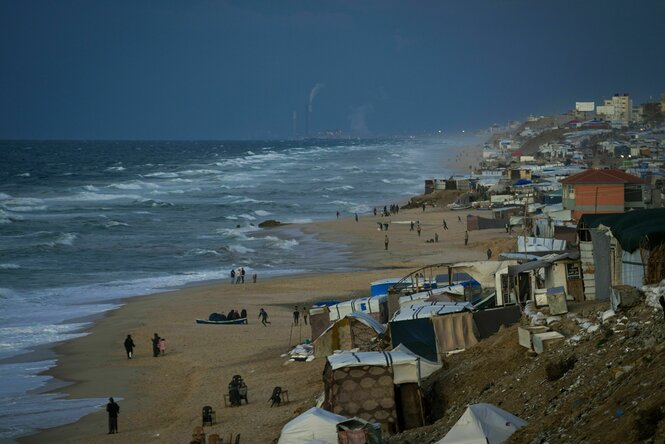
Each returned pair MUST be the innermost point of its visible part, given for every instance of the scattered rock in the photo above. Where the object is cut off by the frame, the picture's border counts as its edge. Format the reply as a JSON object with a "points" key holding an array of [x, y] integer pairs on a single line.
{"points": [[270, 223]]}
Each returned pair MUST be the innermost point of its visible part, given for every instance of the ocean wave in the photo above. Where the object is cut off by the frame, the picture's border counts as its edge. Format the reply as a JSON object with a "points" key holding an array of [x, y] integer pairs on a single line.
{"points": [[246, 216], [202, 252], [161, 175], [262, 213], [22, 202], [116, 168], [181, 180], [4, 196], [93, 196], [27, 209], [63, 239], [155, 203], [203, 172], [9, 266], [133, 185], [235, 248], [115, 223], [398, 181], [284, 244], [23, 175], [341, 188]]}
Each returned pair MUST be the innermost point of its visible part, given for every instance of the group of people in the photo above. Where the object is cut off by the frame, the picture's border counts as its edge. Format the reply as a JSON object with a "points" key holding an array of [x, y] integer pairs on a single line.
{"points": [[296, 315], [394, 209], [234, 314], [158, 346], [237, 390]]}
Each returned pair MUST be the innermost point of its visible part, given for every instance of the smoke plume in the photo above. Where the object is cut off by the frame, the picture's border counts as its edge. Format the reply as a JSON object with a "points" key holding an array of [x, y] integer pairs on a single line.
{"points": [[312, 95]]}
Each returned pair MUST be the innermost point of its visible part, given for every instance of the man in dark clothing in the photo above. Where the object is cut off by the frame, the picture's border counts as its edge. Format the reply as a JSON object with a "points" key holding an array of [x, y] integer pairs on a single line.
{"points": [[296, 315], [242, 275], [129, 346], [662, 303], [113, 409], [489, 254], [155, 345], [263, 315]]}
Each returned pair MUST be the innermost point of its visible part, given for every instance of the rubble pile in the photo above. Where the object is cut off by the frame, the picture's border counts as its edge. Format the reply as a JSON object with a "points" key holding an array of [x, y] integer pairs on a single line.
{"points": [[604, 383]]}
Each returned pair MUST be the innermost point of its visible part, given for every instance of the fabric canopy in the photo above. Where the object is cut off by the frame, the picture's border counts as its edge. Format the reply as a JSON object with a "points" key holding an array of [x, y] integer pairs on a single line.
{"points": [[315, 425], [483, 424], [428, 310]]}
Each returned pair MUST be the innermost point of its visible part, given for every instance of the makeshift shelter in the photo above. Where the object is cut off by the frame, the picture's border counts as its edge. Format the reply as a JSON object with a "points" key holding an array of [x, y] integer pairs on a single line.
{"points": [[313, 425], [431, 330], [483, 424], [464, 291], [357, 430], [355, 330], [622, 248], [382, 387], [375, 306]]}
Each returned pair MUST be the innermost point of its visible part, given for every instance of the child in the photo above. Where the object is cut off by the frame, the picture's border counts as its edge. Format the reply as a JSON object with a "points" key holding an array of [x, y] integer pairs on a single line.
{"points": [[162, 346]]}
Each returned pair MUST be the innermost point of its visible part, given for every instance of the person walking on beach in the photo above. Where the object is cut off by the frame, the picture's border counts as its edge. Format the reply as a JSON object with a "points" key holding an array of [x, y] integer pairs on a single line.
{"points": [[305, 314], [489, 254], [242, 275], [445, 225], [412, 225], [418, 228], [254, 276], [162, 346], [263, 315], [129, 346], [338, 215], [466, 237], [155, 345], [113, 409], [459, 219], [436, 237], [375, 211], [296, 315], [233, 275], [386, 241], [356, 214]]}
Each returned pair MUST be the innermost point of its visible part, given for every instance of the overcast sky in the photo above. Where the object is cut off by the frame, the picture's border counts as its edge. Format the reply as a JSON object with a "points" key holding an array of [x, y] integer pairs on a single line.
{"points": [[213, 69]]}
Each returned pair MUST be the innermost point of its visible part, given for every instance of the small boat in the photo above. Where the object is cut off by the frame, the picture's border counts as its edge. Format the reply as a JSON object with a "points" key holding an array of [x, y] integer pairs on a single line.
{"points": [[227, 321]]}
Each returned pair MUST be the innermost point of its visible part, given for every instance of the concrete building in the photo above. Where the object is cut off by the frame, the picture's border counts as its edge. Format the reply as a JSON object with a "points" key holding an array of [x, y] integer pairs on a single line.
{"points": [[602, 191]]}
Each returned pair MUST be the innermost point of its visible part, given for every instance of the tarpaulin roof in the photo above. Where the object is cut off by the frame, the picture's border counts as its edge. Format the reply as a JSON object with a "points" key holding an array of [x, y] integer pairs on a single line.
{"points": [[419, 311], [362, 317], [632, 227], [407, 367]]}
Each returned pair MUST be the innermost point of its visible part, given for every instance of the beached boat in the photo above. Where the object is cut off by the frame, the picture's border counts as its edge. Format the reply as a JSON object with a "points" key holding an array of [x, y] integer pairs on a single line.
{"points": [[227, 321]]}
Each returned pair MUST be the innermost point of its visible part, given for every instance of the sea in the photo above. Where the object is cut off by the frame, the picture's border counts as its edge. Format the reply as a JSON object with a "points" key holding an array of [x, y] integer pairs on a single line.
{"points": [[85, 224]]}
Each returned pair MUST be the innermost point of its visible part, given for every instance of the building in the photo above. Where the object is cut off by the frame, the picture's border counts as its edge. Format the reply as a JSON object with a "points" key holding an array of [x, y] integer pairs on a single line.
{"points": [[602, 191], [618, 109]]}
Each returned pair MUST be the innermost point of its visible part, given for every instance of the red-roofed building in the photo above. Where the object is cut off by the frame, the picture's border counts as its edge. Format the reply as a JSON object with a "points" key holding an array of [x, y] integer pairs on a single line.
{"points": [[602, 191]]}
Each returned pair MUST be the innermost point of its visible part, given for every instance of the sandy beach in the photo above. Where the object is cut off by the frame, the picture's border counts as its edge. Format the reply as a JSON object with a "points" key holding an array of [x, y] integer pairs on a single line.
{"points": [[161, 398]]}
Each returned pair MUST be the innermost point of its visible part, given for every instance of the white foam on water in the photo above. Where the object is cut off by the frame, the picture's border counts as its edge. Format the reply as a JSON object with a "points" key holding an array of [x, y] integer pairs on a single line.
{"points": [[4, 196], [9, 267], [116, 168], [161, 175], [202, 252], [237, 248], [284, 244], [262, 213], [246, 216], [115, 223]]}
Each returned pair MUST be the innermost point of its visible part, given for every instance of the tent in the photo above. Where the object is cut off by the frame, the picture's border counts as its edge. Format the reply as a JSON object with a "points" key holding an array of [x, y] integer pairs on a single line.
{"points": [[483, 424], [382, 387], [375, 306], [313, 425], [432, 329], [355, 330]]}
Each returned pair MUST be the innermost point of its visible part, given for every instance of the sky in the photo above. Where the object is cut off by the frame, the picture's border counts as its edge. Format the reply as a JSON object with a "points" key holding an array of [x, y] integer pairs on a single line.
{"points": [[240, 69]]}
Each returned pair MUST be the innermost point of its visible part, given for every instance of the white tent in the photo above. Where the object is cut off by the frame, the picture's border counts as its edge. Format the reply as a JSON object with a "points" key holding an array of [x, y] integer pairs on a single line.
{"points": [[483, 424], [364, 305], [315, 425]]}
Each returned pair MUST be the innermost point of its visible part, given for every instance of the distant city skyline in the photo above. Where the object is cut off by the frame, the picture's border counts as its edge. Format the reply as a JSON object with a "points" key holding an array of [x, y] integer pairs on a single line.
{"points": [[255, 69]]}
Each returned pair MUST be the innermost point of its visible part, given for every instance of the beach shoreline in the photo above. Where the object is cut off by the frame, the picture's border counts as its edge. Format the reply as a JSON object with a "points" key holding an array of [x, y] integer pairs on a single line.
{"points": [[94, 365]]}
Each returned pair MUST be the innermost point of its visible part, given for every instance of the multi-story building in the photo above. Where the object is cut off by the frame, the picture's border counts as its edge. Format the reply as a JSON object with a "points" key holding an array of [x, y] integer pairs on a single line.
{"points": [[602, 191], [618, 109]]}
